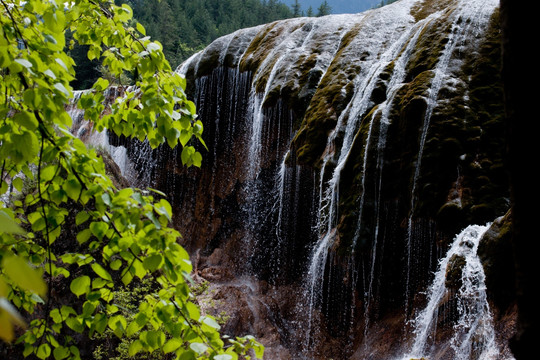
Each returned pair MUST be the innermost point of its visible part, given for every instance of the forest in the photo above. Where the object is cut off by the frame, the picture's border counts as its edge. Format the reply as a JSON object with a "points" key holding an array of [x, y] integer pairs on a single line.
{"points": [[184, 27]]}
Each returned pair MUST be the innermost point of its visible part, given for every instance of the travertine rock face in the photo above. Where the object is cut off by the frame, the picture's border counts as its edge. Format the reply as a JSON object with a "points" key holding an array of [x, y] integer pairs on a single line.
{"points": [[344, 154]]}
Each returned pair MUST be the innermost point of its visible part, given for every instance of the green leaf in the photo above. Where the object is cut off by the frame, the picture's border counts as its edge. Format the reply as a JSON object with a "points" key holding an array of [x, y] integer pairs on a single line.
{"points": [[27, 64], [172, 137], [118, 325], [17, 183], [60, 87], [186, 154], [75, 324], [153, 47], [210, 322], [81, 217], [99, 229], [223, 357], [172, 345], [43, 351], [190, 105], [196, 158], [135, 347], [83, 236], [101, 84], [26, 119], [80, 285], [152, 262], [133, 328], [23, 275], [193, 311], [140, 28], [61, 353], [8, 225], [185, 136], [56, 316], [116, 264], [199, 348], [72, 187], [50, 74], [138, 269], [100, 323], [100, 271], [48, 172], [26, 146]]}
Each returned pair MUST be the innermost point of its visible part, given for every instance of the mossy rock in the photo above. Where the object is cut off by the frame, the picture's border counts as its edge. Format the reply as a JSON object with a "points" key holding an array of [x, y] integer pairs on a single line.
{"points": [[425, 8], [454, 272], [496, 253], [331, 97], [451, 216], [428, 49]]}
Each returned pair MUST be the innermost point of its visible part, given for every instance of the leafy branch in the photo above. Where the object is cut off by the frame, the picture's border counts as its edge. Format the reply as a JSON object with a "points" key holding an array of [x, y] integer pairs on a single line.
{"points": [[71, 222]]}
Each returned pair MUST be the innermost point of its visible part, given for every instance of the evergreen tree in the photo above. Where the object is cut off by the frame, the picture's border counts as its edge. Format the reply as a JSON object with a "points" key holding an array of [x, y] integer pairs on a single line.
{"points": [[296, 9], [324, 9], [184, 27]]}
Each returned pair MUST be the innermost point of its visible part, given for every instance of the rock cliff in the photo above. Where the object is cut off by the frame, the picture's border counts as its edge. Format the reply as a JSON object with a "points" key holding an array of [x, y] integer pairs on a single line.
{"points": [[344, 154]]}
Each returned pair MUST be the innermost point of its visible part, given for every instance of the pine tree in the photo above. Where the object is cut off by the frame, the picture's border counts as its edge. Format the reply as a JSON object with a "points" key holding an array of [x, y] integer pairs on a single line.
{"points": [[296, 9], [324, 9]]}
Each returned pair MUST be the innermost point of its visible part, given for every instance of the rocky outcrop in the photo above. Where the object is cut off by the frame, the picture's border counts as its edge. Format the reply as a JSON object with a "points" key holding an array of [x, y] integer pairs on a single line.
{"points": [[344, 154]]}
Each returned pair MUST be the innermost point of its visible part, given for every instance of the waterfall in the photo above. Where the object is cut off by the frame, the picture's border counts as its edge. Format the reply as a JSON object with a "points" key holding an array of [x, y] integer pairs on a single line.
{"points": [[470, 17], [386, 25], [316, 169], [84, 130], [399, 45], [473, 334], [383, 112]]}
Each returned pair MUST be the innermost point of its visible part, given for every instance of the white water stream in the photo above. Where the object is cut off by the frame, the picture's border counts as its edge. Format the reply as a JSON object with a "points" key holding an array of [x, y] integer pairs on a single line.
{"points": [[468, 20], [473, 334], [388, 37]]}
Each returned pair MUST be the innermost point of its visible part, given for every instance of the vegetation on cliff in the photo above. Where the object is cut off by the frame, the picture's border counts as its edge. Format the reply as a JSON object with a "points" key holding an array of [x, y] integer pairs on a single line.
{"points": [[71, 243]]}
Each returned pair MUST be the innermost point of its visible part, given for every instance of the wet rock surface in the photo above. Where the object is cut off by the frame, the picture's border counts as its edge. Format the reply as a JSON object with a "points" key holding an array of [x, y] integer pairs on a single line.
{"points": [[344, 154]]}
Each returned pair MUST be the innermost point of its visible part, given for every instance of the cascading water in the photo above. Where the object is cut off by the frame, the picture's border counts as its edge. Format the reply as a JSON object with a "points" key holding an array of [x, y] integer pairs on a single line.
{"points": [[83, 130], [319, 131], [347, 130], [473, 334], [467, 20], [383, 114]]}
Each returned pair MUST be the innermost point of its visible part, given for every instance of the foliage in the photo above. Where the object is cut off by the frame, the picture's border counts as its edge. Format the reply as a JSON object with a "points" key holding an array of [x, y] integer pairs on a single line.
{"points": [[324, 9], [296, 8], [69, 225], [185, 26]]}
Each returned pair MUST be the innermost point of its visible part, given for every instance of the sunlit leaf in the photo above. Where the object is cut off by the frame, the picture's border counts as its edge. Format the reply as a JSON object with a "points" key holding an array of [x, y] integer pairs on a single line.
{"points": [[8, 225], [80, 285], [23, 275]]}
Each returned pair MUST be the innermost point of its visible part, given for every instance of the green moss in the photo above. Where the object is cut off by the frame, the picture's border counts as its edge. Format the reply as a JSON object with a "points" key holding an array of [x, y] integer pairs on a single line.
{"points": [[352, 181], [297, 92], [465, 143], [261, 46], [425, 8], [250, 62], [330, 99], [428, 48], [209, 60]]}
